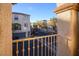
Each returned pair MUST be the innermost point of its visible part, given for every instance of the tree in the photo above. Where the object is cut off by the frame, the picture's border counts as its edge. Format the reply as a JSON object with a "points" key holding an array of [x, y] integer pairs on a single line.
{"points": [[34, 25], [52, 22], [42, 24]]}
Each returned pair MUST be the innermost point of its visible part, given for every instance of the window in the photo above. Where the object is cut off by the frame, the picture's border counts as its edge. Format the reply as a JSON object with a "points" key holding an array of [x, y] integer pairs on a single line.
{"points": [[16, 26], [26, 25], [16, 18], [29, 33], [16, 37]]}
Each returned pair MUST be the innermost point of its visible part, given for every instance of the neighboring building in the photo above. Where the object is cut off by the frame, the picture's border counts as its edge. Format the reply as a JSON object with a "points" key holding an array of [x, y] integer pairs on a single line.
{"points": [[21, 25]]}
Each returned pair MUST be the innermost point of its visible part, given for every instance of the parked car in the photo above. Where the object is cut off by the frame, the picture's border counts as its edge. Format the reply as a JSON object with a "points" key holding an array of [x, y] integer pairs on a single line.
{"points": [[39, 32]]}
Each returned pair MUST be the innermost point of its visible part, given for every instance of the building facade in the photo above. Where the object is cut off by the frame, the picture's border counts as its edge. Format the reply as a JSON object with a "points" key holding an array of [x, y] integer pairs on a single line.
{"points": [[21, 25]]}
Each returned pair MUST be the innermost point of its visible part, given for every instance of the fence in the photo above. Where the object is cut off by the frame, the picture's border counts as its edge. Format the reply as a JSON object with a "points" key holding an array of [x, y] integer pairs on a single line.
{"points": [[37, 46]]}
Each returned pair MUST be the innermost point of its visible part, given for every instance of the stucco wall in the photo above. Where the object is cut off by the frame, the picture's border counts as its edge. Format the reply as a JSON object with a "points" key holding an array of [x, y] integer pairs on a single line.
{"points": [[63, 26], [5, 29]]}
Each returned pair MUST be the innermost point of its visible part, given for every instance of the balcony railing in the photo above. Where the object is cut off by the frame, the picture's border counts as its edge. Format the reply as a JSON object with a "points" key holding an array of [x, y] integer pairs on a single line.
{"points": [[37, 46]]}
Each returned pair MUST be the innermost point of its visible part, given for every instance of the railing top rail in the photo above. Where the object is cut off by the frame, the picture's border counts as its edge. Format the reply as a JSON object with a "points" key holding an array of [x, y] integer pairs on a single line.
{"points": [[27, 39]]}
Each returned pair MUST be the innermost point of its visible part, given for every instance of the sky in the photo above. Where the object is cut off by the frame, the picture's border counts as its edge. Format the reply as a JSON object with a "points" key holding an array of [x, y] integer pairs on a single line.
{"points": [[37, 11]]}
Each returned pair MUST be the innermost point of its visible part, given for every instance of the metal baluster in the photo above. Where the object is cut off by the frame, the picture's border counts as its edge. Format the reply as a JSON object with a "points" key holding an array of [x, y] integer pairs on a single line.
{"points": [[51, 45], [45, 46], [23, 48], [42, 47], [29, 48], [38, 46], [54, 44], [33, 47], [17, 48], [48, 46]]}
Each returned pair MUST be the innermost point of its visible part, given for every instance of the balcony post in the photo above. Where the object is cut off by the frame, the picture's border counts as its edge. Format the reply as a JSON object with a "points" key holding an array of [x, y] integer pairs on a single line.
{"points": [[74, 32], [5, 29], [68, 13]]}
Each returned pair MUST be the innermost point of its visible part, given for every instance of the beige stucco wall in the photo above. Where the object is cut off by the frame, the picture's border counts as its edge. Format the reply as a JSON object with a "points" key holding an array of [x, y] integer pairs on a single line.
{"points": [[64, 22], [5, 29], [63, 26]]}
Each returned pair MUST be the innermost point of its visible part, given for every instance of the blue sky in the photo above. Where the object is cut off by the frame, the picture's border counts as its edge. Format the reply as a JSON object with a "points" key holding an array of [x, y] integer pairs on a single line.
{"points": [[38, 11]]}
